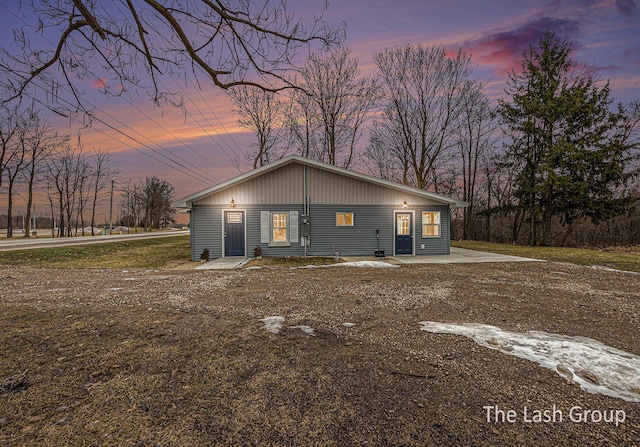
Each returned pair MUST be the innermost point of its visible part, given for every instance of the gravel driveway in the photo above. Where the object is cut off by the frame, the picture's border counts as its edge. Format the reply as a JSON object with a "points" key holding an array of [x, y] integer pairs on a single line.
{"points": [[177, 357]]}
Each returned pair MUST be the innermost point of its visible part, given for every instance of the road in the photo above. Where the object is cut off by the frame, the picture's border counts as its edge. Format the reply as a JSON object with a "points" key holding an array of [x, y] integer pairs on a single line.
{"points": [[20, 243]]}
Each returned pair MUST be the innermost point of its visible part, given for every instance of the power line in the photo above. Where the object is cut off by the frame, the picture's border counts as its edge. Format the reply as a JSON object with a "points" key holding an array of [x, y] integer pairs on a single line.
{"points": [[179, 168], [202, 176]]}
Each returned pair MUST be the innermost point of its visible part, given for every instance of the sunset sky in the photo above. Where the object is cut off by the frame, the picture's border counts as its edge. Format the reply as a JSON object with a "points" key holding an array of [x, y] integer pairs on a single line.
{"points": [[205, 136]]}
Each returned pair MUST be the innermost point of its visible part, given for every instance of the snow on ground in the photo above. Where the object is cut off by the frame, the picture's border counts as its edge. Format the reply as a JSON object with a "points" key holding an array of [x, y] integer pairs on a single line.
{"points": [[361, 264], [273, 324], [596, 367], [306, 329]]}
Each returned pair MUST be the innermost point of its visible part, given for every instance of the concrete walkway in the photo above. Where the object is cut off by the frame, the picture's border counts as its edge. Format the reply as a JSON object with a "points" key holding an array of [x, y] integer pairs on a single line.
{"points": [[463, 256], [230, 262], [457, 256]]}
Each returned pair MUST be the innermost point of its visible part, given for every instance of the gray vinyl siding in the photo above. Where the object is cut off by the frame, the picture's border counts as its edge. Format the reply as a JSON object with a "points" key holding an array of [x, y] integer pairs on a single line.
{"points": [[433, 245], [361, 240], [326, 237], [358, 240], [206, 230], [253, 231]]}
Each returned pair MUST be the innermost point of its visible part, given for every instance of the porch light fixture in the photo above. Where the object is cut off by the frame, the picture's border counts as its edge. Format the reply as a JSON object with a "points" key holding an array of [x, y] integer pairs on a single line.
{"points": [[404, 204], [233, 203]]}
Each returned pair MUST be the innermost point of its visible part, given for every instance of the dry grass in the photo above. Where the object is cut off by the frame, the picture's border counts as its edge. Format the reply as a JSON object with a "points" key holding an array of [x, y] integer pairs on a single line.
{"points": [[620, 258], [144, 253]]}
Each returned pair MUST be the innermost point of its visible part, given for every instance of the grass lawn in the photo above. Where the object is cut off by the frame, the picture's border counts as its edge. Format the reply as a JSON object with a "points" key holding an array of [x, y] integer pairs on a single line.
{"points": [[143, 253], [164, 252], [616, 258]]}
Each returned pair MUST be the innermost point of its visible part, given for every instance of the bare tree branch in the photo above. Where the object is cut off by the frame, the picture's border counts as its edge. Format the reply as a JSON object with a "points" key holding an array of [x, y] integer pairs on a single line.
{"points": [[145, 43]]}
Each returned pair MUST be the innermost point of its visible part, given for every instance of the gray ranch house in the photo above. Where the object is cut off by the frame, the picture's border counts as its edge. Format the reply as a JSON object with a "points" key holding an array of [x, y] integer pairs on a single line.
{"points": [[301, 207]]}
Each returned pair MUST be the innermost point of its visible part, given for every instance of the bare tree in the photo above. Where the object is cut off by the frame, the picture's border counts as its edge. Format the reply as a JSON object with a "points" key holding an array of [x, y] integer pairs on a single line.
{"points": [[131, 204], [14, 164], [83, 179], [11, 122], [263, 113], [477, 134], [157, 196], [62, 176], [341, 100], [424, 90], [103, 171], [141, 43], [302, 126], [40, 141]]}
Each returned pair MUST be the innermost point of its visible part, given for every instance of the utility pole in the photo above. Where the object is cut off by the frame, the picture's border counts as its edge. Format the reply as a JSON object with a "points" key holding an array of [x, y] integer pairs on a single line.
{"points": [[111, 209]]}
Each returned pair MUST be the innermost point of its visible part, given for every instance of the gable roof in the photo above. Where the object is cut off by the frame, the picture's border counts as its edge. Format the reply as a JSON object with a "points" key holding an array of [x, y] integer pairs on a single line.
{"points": [[187, 201]]}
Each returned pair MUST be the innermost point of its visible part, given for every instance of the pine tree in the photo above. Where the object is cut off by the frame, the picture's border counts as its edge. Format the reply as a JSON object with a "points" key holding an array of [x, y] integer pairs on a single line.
{"points": [[565, 143]]}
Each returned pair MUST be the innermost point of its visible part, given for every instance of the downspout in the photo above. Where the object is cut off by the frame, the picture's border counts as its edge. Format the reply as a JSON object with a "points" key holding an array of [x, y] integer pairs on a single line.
{"points": [[305, 204]]}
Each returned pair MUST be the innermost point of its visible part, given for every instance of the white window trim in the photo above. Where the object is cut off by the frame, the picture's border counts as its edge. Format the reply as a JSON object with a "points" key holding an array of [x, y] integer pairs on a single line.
{"points": [[439, 225], [353, 219], [286, 243]]}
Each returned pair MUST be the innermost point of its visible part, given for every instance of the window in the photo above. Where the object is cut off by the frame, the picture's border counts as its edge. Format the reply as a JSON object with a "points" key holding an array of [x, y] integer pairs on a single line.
{"points": [[403, 226], [344, 219], [430, 223], [279, 227]]}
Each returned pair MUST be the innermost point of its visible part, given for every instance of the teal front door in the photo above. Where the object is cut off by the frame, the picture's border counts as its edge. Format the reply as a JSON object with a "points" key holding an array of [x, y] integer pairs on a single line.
{"points": [[234, 233]]}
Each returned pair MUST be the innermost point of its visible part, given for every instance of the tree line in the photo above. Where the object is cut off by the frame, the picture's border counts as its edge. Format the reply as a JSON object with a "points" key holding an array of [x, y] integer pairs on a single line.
{"points": [[554, 155], [35, 159], [555, 162]]}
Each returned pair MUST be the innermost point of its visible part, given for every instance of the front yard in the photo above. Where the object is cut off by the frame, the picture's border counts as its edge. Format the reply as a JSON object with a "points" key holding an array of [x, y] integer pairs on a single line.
{"points": [[166, 356]]}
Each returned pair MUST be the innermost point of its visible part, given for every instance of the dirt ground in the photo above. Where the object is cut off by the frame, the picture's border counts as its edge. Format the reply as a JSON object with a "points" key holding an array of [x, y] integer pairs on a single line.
{"points": [[179, 357]]}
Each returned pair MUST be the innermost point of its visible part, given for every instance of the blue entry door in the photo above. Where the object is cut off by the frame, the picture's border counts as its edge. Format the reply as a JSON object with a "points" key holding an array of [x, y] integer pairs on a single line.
{"points": [[404, 233], [234, 233]]}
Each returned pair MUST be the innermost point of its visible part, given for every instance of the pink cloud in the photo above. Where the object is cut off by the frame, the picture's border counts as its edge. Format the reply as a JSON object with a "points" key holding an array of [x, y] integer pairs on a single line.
{"points": [[99, 83], [503, 49]]}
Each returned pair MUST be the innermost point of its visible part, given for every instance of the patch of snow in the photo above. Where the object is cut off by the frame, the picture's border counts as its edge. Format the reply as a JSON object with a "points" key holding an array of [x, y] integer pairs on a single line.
{"points": [[306, 329], [359, 264], [115, 289], [272, 324], [368, 264], [609, 269], [255, 267], [596, 367], [348, 324]]}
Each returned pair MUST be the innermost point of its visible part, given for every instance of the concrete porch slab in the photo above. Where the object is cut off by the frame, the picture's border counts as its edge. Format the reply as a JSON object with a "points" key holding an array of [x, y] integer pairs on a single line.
{"points": [[462, 256], [230, 262]]}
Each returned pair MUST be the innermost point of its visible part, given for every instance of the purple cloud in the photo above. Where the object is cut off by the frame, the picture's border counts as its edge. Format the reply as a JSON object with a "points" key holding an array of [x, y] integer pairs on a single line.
{"points": [[627, 7], [504, 49]]}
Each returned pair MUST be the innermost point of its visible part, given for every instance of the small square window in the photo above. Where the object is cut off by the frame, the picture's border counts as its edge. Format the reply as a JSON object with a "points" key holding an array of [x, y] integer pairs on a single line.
{"points": [[344, 219], [430, 224]]}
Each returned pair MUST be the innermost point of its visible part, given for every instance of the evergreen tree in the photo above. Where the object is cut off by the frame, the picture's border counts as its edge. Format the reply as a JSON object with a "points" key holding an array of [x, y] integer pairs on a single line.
{"points": [[565, 145]]}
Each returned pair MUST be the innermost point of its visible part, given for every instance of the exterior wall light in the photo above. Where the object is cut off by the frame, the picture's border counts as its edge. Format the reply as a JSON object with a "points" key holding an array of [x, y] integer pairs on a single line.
{"points": [[233, 203], [404, 204]]}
